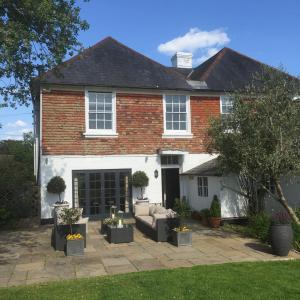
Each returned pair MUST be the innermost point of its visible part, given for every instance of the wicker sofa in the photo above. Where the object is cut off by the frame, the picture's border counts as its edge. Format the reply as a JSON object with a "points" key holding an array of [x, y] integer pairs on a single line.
{"points": [[157, 225]]}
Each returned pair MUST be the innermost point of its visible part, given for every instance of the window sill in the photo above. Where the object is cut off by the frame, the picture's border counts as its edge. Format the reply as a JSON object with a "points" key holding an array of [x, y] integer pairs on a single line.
{"points": [[177, 136], [100, 135]]}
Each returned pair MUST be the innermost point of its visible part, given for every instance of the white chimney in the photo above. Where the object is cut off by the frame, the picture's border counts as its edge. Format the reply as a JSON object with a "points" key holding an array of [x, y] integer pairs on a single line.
{"points": [[182, 60]]}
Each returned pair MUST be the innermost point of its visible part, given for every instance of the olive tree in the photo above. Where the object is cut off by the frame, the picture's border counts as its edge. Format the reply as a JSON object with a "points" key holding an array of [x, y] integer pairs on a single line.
{"points": [[260, 138]]}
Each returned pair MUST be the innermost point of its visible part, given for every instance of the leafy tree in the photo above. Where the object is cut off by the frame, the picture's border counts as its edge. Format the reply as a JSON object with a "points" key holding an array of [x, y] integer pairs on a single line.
{"points": [[215, 208], [261, 137], [35, 35], [140, 180]]}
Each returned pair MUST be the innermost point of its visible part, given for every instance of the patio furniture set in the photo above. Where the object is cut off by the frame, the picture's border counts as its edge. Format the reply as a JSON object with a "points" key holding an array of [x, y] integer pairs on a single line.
{"points": [[153, 220]]}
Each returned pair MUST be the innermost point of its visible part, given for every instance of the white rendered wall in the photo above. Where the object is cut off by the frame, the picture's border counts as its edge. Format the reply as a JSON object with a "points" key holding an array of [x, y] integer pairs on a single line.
{"points": [[64, 165], [232, 204]]}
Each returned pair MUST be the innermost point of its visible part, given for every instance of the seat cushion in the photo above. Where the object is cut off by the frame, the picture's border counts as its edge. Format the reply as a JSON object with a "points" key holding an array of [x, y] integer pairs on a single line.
{"points": [[145, 219], [141, 210], [156, 217]]}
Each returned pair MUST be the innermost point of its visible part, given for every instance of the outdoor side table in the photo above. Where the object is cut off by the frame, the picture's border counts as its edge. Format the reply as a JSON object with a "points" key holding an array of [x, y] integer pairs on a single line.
{"points": [[118, 235]]}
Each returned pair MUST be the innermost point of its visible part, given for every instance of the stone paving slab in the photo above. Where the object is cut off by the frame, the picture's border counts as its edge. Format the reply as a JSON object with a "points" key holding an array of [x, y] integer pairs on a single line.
{"points": [[26, 256]]}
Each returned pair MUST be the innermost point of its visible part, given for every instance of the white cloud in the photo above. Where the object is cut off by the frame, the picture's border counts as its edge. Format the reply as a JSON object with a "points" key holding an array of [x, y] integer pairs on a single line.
{"points": [[194, 40], [18, 123]]}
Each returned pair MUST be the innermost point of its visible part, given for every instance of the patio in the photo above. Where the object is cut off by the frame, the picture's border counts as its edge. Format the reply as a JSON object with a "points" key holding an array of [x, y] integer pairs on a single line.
{"points": [[26, 256]]}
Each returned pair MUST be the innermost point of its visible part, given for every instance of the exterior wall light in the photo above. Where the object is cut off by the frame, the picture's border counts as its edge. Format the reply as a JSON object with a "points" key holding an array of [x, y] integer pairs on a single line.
{"points": [[155, 173]]}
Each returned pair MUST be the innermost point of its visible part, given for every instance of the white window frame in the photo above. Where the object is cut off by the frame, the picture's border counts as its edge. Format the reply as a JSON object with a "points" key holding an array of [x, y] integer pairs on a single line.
{"points": [[202, 187], [178, 133], [100, 132], [222, 98]]}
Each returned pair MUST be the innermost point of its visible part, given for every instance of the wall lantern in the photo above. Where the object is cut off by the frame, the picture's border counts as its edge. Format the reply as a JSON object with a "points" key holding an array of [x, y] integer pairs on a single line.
{"points": [[155, 173]]}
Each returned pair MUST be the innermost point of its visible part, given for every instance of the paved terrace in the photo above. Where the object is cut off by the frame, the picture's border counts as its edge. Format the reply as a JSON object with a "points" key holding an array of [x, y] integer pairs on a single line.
{"points": [[26, 256]]}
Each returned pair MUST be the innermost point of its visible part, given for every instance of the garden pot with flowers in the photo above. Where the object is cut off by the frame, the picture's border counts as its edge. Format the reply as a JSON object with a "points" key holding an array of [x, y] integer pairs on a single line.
{"points": [[215, 213], [75, 241], [182, 235], [281, 234]]}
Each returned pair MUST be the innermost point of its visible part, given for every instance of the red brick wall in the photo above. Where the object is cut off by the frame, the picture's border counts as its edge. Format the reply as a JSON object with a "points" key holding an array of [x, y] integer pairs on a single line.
{"points": [[139, 125]]}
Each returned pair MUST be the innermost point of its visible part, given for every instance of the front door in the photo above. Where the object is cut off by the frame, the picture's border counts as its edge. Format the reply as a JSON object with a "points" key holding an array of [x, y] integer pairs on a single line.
{"points": [[170, 186], [97, 190]]}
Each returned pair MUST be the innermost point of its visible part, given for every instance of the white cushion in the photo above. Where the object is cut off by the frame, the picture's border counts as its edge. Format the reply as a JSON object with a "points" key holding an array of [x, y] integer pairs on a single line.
{"points": [[141, 210], [146, 219], [156, 217], [152, 209], [160, 210]]}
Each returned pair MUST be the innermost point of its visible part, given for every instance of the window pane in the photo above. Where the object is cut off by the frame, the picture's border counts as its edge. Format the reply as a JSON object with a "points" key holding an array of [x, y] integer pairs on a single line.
{"points": [[92, 106], [92, 116], [92, 97], [108, 125], [176, 99], [175, 107], [168, 99], [182, 99], [175, 117], [169, 117], [108, 107], [108, 117], [182, 126], [100, 124], [92, 124], [100, 117], [175, 125], [182, 107], [169, 125], [182, 117], [100, 106], [169, 107], [100, 97]]}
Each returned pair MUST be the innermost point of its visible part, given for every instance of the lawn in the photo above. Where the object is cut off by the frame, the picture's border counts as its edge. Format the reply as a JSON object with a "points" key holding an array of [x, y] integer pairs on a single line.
{"points": [[259, 280]]}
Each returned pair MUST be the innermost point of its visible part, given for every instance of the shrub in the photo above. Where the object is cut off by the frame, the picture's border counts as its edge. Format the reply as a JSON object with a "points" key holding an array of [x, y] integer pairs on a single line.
{"points": [[215, 208], [5, 215], [70, 216], [259, 226], [56, 185], [204, 213], [140, 180], [183, 210]]}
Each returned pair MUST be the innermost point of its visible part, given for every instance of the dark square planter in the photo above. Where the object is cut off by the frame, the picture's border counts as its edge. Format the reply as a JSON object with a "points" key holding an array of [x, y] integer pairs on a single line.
{"points": [[120, 235], [60, 232], [75, 247], [182, 238]]}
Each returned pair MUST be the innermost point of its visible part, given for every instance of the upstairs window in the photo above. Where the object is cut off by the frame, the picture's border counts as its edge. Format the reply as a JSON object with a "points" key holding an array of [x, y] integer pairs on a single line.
{"points": [[202, 186], [100, 113], [226, 104], [176, 115]]}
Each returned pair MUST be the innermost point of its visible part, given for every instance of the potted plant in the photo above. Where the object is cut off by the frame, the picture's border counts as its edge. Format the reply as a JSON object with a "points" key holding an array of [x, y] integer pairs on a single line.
{"points": [[75, 241], [56, 185], [281, 234], [215, 213], [108, 222], [140, 180], [182, 235], [204, 216]]}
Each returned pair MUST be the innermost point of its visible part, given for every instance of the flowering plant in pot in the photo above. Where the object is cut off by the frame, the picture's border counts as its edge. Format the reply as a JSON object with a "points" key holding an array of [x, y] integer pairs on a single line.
{"points": [[281, 234], [182, 235], [75, 241], [215, 213]]}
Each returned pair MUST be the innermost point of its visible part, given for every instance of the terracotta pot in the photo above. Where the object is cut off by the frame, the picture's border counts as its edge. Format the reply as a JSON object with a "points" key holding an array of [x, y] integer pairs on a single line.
{"points": [[214, 222]]}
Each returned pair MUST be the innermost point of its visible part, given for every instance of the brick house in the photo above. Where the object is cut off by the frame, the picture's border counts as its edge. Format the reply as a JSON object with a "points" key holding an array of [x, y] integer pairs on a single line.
{"points": [[110, 111]]}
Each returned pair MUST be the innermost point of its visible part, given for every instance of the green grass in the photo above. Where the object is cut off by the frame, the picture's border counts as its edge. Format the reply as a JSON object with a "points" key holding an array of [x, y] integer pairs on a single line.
{"points": [[261, 280]]}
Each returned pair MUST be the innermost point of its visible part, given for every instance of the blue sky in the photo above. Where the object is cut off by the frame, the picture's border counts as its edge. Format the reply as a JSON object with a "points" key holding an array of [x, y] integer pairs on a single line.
{"points": [[265, 30]]}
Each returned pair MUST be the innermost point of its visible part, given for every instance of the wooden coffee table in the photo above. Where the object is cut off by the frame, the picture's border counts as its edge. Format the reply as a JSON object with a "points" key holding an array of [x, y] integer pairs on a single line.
{"points": [[118, 235]]}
